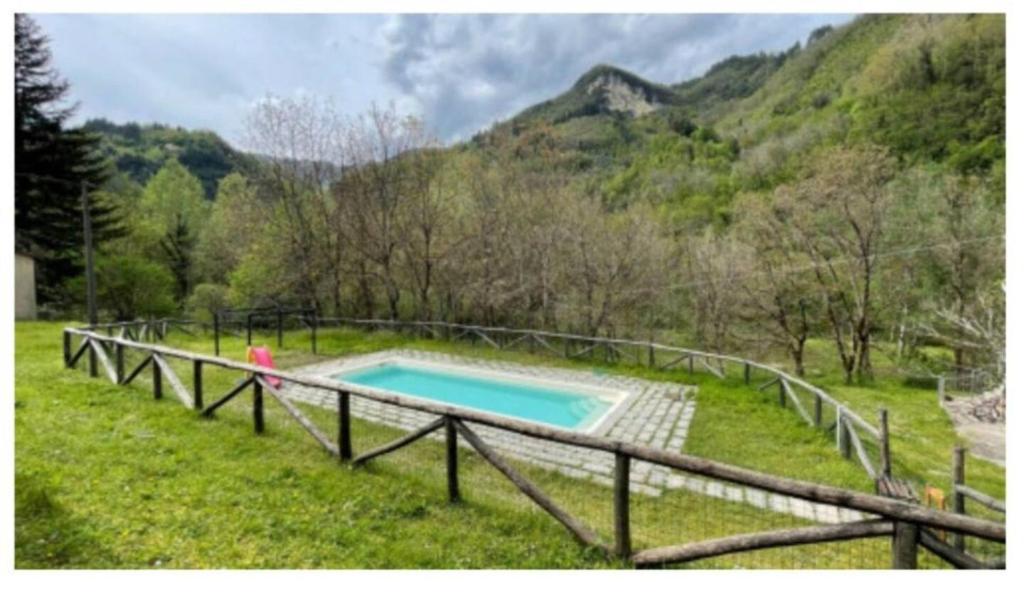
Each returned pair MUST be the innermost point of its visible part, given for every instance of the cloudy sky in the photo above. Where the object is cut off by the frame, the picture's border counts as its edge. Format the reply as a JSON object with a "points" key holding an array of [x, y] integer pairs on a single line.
{"points": [[459, 72]]}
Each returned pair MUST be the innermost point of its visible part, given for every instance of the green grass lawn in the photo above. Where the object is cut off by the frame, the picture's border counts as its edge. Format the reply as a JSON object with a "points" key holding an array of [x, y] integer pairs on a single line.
{"points": [[108, 477]]}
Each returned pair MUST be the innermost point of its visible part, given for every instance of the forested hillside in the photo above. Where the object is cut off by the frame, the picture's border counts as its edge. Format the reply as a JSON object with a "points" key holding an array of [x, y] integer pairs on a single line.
{"points": [[850, 188], [139, 151]]}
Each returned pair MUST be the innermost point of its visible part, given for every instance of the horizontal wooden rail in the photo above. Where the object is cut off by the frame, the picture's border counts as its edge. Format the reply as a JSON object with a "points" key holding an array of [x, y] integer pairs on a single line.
{"points": [[889, 508], [983, 499], [758, 541]]}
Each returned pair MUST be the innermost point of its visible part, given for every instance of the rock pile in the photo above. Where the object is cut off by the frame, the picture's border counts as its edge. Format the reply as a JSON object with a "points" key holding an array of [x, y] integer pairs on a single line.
{"points": [[988, 407]]}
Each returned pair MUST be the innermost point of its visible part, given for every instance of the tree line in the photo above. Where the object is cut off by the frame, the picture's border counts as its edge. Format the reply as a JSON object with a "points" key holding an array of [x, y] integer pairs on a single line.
{"points": [[368, 216]]}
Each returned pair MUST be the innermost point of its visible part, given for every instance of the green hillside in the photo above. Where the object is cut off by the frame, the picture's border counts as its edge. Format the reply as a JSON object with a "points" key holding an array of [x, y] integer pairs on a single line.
{"points": [[930, 88], [734, 78], [139, 151]]}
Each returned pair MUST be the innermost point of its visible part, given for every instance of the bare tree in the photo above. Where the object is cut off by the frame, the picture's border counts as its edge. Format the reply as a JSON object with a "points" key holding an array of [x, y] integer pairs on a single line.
{"points": [[428, 218], [778, 297], [613, 263], [712, 270], [300, 156], [838, 218], [965, 219], [980, 329], [379, 144]]}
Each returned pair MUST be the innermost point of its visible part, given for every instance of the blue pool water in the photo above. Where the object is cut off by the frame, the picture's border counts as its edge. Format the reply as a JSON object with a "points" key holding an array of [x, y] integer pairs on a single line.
{"points": [[555, 407]]}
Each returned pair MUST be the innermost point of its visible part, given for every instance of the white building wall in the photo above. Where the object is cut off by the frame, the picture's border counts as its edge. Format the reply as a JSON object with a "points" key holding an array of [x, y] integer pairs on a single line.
{"points": [[24, 287]]}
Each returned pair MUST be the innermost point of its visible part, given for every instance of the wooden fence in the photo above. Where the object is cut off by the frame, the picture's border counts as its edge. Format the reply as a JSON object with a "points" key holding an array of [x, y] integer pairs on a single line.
{"points": [[246, 317], [906, 524]]}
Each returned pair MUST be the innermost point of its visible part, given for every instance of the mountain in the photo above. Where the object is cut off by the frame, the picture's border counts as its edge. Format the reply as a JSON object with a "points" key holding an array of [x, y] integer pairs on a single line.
{"points": [[931, 88], [602, 90], [140, 150], [610, 116]]}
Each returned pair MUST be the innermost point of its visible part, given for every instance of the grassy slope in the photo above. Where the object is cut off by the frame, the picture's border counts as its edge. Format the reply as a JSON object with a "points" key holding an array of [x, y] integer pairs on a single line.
{"points": [[922, 435], [106, 477]]}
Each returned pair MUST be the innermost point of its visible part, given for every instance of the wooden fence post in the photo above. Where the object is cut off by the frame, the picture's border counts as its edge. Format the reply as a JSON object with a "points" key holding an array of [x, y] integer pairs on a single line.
{"points": [[451, 439], [650, 356], [941, 389], [92, 360], [843, 435], [197, 384], [746, 373], [257, 406], [782, 392], [158, 381], [883, 443], [280, 329], [959, 505], [623, 543], [689, 362], [248, 329], [313, 320], [67, 349], [344, 427], [119, 359], [904, 545], [817, 410], [216, 333]]}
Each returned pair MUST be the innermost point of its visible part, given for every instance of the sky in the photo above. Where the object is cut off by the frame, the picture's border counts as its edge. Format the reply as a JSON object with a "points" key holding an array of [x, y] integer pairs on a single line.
{"points": [[460, 73]]}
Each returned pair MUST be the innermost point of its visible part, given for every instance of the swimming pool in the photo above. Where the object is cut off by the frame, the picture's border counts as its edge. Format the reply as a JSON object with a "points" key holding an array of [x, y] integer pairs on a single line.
{"points": [[563, 405]]}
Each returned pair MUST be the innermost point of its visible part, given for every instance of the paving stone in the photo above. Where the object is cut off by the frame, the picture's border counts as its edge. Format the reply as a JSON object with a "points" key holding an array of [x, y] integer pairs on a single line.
{"points": [[715, 489]]}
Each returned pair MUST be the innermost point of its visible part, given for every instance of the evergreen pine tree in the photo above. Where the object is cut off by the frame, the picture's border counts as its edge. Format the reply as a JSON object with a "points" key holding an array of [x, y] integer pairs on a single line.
{"points": [[51, 164]]}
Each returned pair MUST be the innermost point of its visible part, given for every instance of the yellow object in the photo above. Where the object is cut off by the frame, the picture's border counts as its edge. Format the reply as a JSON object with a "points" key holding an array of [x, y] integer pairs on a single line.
{"points": [[935, 498]]}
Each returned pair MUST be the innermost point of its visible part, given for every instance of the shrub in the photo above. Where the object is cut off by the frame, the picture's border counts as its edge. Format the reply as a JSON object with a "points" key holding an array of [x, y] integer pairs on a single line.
{"points": [[205, 300], [129, 287]]}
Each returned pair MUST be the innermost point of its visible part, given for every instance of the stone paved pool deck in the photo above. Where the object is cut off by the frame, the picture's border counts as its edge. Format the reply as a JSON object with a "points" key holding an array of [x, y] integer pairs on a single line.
{"points": [[657, 414]]}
